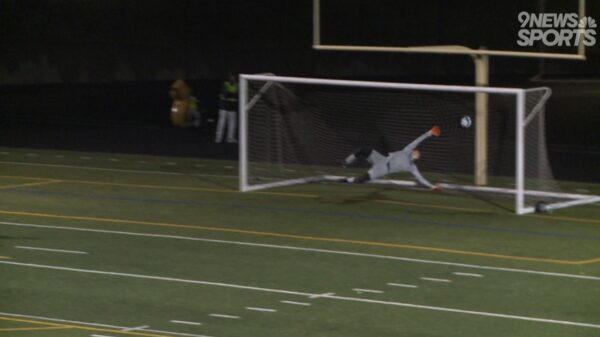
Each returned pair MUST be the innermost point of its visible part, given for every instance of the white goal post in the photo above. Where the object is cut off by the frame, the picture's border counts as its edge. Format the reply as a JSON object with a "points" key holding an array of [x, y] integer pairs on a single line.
{"points": [[288, 134]]}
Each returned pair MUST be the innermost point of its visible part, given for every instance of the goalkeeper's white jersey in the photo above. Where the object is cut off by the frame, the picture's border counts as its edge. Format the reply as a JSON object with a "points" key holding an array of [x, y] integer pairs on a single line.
{"points": [[400, 161]]}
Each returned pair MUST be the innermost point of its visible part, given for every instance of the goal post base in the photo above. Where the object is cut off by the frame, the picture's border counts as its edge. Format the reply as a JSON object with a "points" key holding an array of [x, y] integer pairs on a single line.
{"points": [[571, 203], [281, 183], [572, 199]]}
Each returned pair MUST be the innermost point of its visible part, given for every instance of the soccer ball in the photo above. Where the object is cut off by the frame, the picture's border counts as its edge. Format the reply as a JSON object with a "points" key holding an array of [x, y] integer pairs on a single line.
{"points": [[466, 122]]}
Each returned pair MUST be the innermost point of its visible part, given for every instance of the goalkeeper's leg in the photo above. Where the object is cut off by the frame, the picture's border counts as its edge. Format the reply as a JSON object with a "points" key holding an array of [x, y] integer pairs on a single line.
{"points": [[366, 153], [378, 170], [360, 179]]}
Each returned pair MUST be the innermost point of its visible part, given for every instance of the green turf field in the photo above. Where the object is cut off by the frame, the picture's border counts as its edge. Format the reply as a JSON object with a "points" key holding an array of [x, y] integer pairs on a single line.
{"points": [[122, 245]]}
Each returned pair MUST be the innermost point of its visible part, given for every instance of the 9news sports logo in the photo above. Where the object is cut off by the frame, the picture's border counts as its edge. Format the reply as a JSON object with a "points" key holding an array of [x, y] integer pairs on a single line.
{"points": [[556, 29]]}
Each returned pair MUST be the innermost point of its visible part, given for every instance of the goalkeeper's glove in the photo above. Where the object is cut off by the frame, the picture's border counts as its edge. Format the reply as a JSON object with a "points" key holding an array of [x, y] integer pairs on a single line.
{"points": [[436, 131]]}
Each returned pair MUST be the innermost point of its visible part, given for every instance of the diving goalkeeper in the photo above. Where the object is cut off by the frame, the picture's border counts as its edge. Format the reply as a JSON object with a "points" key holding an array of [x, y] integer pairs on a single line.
{"points": [[399, 161]]}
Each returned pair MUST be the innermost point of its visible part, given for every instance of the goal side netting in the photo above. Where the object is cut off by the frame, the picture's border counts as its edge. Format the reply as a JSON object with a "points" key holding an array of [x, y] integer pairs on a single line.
{"points": [[296, 131]]}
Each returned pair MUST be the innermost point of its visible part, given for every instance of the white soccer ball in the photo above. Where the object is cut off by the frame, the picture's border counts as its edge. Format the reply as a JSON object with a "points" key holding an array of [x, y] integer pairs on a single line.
{"points": [[466, 122]]}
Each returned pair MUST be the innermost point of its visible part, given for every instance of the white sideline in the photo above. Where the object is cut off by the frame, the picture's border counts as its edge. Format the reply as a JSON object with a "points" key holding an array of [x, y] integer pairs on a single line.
{"points": [[51, 250], [303, 249], [469, 312], [158, 278], [299, 293], [100, 325]]}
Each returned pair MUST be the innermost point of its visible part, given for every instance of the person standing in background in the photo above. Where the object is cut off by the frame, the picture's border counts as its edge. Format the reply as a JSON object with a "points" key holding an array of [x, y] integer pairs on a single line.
{"points": [[184, 111], [228, 107]]}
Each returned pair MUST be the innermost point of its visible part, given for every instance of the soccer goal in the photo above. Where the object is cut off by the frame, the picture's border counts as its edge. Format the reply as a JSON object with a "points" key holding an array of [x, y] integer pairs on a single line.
{"points": [[295, 131]]}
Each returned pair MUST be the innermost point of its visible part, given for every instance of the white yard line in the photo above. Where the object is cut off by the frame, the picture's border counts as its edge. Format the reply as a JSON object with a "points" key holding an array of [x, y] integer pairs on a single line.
{"points": [[359, 290], [224, 316], [95, 335], [101, 325], [118, 170], [261, 309], [297, 303], [309, 295], [314, 250], [432, 279], [51, 250], [468, 274], [184, 322], [136, 328], [402, 285], [320, 295]]}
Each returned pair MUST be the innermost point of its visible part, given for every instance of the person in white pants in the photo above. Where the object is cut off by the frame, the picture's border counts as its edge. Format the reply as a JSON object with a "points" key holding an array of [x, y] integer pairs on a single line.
{"points": [[228, 107]]}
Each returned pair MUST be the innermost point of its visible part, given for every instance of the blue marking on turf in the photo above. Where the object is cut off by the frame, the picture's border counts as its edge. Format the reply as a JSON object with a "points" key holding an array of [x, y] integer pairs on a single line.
{"points": [[304, 211]]}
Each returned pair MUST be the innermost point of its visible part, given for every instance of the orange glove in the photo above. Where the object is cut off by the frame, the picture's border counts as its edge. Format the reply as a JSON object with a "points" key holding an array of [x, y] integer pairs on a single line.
{"points": [[438, 188], [436, 131]]}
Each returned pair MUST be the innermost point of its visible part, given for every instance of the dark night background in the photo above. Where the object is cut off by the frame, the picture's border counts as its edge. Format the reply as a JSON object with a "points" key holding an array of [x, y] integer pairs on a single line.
{"points": [[94, 75]]}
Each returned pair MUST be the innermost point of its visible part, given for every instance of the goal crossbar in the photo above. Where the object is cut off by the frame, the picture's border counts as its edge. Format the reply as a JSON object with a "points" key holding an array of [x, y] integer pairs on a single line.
{"points": [[382, 85]]}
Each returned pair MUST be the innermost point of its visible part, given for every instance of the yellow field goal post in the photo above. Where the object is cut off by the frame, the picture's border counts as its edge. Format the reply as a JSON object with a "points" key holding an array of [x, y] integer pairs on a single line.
{"points": [[481, 64]]}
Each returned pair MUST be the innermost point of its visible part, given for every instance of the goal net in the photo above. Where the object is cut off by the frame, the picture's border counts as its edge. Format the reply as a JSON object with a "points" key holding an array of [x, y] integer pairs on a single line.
{"points": [[296, 130]]}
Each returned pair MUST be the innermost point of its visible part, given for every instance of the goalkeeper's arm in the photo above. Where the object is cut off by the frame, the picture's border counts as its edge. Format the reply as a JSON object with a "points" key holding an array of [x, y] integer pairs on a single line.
{"points": [[415, 172], [435, 131]]}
